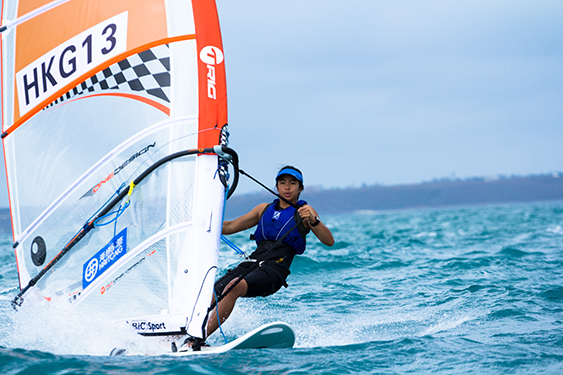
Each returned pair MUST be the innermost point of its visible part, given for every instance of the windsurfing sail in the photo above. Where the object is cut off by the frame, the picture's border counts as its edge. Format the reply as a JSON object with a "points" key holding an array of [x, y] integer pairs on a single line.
{"points": [[114, 118]]}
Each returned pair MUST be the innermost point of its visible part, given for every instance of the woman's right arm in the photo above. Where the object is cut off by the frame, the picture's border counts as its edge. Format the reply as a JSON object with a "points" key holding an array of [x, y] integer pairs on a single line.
{"points": [[245, 221]]}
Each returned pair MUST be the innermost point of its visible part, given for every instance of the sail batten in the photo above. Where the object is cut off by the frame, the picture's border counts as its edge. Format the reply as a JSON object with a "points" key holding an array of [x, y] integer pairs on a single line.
{"points": [[113, 127], [32, 14]]}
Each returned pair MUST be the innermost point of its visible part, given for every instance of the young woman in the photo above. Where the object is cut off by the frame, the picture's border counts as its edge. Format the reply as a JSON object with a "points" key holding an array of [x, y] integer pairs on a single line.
{"points": [[280, 235]]}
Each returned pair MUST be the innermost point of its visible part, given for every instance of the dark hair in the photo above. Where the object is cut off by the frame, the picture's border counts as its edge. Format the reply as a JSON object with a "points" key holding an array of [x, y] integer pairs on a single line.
{"points": [[289, 167]]}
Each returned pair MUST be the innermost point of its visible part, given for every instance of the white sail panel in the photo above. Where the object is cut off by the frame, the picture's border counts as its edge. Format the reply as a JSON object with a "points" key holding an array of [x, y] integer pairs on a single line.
{"points": [[111, 110]]}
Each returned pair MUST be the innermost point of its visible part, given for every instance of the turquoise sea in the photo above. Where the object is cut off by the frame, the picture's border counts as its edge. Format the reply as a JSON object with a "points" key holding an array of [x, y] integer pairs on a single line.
{"points": [[444, 291]]}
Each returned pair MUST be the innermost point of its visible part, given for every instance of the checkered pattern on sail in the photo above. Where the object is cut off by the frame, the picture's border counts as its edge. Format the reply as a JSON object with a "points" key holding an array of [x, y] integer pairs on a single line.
{"points": [[146, 73]]}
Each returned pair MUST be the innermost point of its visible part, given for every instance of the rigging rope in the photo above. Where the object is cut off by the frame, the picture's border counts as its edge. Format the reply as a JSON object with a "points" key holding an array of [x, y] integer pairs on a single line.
{"points": [[268, 189], [219, 320], [233, 246], [122, 207]]}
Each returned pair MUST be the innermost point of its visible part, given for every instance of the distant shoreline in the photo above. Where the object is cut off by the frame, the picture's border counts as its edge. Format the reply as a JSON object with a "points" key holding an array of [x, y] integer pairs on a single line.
{"points": [[440, 193]]}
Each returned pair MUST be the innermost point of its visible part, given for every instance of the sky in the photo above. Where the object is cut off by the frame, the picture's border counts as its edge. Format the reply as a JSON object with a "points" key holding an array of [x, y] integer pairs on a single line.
{"points": [[389, 92], [364, 92]]}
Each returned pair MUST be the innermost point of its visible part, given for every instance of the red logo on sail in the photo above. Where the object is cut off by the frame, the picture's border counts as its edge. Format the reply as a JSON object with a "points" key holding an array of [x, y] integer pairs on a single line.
{"points": [[93, 190]]}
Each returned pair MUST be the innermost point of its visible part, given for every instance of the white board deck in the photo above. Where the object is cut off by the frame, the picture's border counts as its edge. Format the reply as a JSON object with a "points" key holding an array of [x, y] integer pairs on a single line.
{"points": [[278, 335]]}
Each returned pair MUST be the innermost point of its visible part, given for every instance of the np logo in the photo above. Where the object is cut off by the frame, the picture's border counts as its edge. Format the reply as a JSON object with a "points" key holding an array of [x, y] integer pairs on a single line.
{"points": [[104, 259], [276, 215], [91, 270], [211, 56]]}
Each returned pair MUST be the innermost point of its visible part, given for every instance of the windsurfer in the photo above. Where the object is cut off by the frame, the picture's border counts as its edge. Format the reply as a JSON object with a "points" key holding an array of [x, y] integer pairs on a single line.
{"points": [[280, 235]]}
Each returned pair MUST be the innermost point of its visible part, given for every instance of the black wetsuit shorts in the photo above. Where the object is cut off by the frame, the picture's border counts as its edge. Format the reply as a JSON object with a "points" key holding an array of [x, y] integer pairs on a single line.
{"points": [[262, 277]]}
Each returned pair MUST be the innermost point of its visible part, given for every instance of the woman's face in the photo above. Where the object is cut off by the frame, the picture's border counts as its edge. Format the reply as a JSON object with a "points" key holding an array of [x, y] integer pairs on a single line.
{"points": [[289, 188]]}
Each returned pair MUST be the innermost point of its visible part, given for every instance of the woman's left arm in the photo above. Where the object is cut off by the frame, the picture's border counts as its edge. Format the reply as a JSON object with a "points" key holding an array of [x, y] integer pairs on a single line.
{"points": [[310, 216]]}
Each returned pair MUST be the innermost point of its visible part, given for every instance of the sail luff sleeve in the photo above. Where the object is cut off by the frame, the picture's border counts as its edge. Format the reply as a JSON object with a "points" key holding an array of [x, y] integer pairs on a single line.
{"points": [[211, 73]]}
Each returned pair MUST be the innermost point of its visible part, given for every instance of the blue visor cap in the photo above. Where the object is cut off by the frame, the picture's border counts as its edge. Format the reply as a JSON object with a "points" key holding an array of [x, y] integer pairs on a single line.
{"points": [[291, 172]]}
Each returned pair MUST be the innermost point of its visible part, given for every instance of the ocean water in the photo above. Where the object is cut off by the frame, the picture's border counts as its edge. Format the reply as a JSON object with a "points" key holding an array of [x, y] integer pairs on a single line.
{"points": [[452, 290]]}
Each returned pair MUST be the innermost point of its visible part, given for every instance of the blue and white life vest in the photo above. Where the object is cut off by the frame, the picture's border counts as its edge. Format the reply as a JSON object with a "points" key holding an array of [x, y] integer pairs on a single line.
{"points": [[275, 223]]}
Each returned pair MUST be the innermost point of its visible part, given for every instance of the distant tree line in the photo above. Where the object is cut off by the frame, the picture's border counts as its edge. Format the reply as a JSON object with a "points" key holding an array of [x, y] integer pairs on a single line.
{"points": [[438, 193]]}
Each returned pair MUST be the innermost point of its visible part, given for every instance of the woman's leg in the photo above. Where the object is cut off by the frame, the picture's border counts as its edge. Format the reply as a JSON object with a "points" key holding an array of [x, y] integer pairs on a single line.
{"points": [[226, 305]]}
